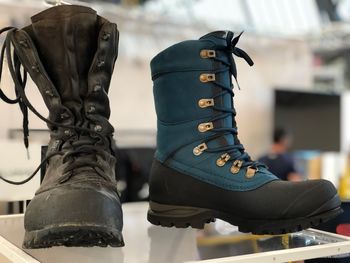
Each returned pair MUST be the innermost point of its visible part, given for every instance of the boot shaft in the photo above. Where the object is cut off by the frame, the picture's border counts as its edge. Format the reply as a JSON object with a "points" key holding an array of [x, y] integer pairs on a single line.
{"points": [[63, 39], [186, 70], [197, 132], [69, 52], [189, 78]]}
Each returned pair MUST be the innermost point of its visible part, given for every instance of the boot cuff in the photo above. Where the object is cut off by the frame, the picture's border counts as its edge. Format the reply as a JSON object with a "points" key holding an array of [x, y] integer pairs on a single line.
{"points": [[61, 12]]}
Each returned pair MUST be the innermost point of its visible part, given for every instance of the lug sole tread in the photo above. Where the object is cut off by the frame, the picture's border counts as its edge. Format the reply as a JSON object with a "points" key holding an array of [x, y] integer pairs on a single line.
{"points": [[73, 236], [257, 227]]}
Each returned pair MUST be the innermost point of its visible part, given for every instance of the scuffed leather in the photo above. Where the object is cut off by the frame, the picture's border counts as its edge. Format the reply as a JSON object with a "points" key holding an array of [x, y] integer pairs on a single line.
{"points": [[68, 50]]}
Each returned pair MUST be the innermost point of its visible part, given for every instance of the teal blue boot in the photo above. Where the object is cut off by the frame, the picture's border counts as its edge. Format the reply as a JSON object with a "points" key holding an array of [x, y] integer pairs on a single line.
{"points": [[201, 170]]}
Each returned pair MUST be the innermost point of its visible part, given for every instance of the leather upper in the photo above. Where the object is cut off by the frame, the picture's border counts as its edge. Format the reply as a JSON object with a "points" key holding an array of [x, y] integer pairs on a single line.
{"points": [[176, 74], [69, 52]]}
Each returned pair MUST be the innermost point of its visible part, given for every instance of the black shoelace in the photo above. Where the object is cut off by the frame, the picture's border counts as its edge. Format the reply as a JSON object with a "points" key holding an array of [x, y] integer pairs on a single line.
{"points": [[20, 79], [236, 151]]}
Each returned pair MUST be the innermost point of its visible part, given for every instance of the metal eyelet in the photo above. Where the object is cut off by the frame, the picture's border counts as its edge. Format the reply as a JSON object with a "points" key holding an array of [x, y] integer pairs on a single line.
{"points": [[98, 128], [106, 36], [198, 150], [206, 126], [223, 159], [64, 115], [207, 53], [100, 63], [24, 43], [203, 103], [97, 87], [251, 172], [49, 92], [91, 109], [35, 68], [236, 166], [206, 77], [67, 132]]}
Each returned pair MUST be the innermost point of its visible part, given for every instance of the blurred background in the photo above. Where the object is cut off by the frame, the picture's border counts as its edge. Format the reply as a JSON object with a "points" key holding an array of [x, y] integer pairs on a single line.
{"points": [[298, 89], [299, 84], [293, 104]]}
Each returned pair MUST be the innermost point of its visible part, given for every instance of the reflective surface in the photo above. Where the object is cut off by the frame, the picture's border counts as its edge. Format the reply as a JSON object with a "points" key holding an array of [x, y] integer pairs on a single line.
{"points": [[148, 243], [223, 240], [144, 242]]}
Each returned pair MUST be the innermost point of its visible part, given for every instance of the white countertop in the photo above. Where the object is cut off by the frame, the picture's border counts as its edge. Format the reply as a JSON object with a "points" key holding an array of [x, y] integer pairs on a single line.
{"points": [[146, 243]]}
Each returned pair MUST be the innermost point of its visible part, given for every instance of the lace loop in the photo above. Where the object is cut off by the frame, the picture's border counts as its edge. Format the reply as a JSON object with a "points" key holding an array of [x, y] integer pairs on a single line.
{"points": [[20, 78], [43, 162], [236, 151]]}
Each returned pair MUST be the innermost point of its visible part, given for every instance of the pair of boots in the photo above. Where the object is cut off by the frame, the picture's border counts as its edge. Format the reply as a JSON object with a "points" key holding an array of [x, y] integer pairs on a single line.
{"points": [[200, 171]]}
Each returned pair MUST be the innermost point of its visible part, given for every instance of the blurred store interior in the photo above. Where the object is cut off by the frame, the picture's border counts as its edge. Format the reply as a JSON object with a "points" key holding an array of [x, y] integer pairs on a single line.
{"points": [[300, 82]]}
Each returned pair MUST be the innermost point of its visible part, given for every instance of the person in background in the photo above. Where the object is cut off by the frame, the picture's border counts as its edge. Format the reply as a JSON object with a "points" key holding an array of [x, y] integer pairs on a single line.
{"points": [[278, 160]]}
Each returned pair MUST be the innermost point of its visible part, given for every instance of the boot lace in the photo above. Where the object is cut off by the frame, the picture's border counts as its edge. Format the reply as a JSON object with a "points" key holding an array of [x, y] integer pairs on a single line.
{"points": [[236, 151], [84, 149]]}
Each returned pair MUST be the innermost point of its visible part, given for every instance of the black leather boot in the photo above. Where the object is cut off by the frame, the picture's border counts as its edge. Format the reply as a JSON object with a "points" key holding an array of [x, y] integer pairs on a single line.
{"points": [[69, 52]]}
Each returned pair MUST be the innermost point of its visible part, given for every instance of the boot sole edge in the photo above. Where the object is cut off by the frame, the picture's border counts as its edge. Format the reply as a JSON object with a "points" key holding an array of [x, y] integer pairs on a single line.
{"points": [[183, 217], [73, 236]]}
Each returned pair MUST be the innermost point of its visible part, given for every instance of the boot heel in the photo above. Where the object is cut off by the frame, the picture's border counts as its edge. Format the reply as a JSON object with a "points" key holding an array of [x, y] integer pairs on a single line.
{"points": [[179, 216]]}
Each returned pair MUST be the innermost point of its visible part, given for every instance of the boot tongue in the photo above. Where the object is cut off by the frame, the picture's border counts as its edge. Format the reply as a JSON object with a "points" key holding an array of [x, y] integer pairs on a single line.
{"points": [[61, 12], [65, 38], [223, 37]]}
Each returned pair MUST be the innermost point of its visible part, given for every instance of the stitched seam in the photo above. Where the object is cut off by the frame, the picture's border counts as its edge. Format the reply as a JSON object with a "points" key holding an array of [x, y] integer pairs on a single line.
{"points": [[225, 185]]}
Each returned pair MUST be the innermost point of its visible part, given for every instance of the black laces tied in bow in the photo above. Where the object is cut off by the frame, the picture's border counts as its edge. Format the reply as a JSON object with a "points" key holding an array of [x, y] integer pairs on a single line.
{"points": [[239, 53]]}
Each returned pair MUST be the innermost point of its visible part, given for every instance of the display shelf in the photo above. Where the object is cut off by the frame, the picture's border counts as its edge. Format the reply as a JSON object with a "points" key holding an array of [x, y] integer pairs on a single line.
{"points": [[144, 242], [218, 242], [307, 244]]}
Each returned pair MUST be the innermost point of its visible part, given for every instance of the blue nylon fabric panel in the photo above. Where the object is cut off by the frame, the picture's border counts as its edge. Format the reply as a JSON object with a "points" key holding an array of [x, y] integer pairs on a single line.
{"points": [[183, 56], [172, 137], [180, 93], [203, 167], [177, 90]]}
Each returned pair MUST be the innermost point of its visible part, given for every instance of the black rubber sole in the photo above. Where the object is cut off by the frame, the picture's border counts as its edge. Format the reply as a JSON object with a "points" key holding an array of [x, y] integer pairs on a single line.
{"points": [[183, 217], [73, 236]]}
